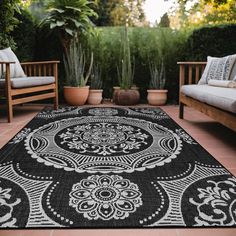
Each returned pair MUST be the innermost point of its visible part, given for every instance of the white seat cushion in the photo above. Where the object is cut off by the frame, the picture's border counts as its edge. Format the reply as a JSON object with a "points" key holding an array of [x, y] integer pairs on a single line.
{"points": [[223, 98], [7, 55], [26, 82]]}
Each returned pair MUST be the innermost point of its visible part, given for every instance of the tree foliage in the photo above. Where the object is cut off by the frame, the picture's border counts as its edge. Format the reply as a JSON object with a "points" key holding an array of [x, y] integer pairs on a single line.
{"points": [[203, 12], [165, 21], [120, 12], [7, 22]]}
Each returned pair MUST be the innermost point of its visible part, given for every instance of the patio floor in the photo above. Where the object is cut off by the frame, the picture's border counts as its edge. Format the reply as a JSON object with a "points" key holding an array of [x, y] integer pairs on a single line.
{"points": [[215, 138]]}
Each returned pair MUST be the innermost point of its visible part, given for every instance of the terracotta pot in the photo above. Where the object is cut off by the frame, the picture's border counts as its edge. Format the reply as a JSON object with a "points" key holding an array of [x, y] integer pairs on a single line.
{"points": [[95, 96], [115, 89], [76, 96], [135, 88], [126, 97], [157, 97]]}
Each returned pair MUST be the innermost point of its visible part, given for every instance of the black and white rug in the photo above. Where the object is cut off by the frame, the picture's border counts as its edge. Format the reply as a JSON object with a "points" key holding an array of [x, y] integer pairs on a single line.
{"points": [[111, 168]]}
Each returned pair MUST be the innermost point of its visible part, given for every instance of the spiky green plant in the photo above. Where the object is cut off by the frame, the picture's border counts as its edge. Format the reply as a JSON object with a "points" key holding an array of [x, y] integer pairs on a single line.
{"points": [[158, 75], [96, 77], [75, 63], [125, 70]]}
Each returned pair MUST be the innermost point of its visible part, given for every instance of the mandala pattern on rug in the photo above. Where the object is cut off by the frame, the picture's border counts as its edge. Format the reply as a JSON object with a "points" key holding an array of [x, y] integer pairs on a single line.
{"points": [[111, 167], [105, 197], [81, 144], [104, 138]]}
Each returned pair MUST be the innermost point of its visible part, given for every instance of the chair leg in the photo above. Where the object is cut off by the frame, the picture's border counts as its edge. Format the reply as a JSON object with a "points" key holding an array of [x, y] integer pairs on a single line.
{"points": [[10, 111], [56, 102], [181, 110]]}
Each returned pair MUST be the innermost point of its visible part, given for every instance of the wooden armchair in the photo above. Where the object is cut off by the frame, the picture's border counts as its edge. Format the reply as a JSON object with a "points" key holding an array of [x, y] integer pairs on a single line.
{"points": [[26, 94]]}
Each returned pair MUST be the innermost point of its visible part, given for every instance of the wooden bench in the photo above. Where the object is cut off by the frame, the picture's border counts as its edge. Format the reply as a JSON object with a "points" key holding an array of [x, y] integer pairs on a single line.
{"points": [[190, 73], [29, 94]]}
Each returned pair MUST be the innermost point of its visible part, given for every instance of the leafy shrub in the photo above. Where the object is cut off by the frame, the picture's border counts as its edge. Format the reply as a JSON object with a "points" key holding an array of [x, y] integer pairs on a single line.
{"points": [[7, 22], [24, 36]]}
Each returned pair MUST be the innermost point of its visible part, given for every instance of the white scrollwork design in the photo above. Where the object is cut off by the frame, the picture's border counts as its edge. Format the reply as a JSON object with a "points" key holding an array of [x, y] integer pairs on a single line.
{"points": [[6, 208], [216, 204], [21, 136]]}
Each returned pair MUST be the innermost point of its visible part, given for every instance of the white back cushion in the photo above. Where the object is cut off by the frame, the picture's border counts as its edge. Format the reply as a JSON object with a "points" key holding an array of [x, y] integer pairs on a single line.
{"points": [[16, 69], [3, 58], [217, 68]]}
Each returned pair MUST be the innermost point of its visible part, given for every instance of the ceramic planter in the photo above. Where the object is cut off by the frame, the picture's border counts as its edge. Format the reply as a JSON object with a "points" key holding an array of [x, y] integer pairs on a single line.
{"points": [[126, 97], [76, 96], [95, 96], [157, 97]]}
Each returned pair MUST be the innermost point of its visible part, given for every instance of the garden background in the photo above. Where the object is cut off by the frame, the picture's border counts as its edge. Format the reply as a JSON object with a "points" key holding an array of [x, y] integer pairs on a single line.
{"points": [[183, 34]]}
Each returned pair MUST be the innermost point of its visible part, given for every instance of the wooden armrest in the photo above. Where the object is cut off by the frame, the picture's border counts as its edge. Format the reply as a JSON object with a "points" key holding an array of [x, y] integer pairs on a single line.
{"points": [[192, 63], [40, 62], [6, 62]]}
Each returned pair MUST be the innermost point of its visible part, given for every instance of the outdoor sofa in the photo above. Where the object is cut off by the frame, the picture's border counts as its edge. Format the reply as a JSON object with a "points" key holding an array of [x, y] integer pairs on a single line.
{"points": [[219, 103]]}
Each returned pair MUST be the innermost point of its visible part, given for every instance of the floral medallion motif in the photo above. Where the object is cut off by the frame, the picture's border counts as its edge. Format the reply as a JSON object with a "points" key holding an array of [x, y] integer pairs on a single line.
{"points": [[7, 205], [103, 112], [104, 138], [216, 204], [105, 197], [21, 136]]}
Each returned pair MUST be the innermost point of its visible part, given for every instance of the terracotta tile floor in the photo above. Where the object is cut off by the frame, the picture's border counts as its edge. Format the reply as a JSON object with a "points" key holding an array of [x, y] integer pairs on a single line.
{"points": [[218, 140]]}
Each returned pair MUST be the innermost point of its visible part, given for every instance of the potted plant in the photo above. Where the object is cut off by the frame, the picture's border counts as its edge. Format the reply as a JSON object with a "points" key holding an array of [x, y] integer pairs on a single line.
{"points": [[76, 92], [68, 19], [125, 95], [157, 95], [95, 91]]}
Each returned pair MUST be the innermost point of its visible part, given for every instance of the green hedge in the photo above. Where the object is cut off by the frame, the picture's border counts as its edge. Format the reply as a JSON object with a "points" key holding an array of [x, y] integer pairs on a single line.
{"points": [[211, 41]]}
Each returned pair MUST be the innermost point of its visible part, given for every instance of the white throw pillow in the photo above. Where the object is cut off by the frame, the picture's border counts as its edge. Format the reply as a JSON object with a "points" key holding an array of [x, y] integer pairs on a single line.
{"points": [[16, 69], [218, 68], [222, 83]]}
